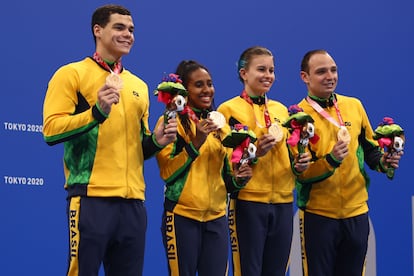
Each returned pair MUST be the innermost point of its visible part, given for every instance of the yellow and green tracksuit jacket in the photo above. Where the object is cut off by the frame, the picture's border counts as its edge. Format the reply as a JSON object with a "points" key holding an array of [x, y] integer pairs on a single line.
{"points": [[273, 180], [197, 181], [103, 154], [338, 189]]}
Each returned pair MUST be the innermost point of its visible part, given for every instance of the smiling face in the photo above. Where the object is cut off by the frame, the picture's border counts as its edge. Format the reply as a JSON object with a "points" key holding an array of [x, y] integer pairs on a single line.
{"points": [[321, 77], [116, 38], [259, 75], [200, 89]]}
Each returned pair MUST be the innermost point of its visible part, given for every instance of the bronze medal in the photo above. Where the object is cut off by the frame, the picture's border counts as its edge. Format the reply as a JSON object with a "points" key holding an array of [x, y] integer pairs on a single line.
{"points": [[343, 135], [114, 80], [276, 131]]}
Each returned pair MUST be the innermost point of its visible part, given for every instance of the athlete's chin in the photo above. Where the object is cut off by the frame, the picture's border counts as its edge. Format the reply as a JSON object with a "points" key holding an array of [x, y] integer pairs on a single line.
{"points": [[124, 51], [204, 106], [263, 90], [328, 92]]}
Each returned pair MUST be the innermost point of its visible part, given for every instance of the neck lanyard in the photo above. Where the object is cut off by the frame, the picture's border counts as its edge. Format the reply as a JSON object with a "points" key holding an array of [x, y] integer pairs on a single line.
{"points": [[266, 115], [117, 65], [325, 114], [191, 114]]}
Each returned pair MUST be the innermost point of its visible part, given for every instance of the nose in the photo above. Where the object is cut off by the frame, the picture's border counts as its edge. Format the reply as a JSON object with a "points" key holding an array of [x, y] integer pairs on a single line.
{"points": [[128, 33], [270, 74], [208, 88], [130, 36], [330, 74], [208, 91]]}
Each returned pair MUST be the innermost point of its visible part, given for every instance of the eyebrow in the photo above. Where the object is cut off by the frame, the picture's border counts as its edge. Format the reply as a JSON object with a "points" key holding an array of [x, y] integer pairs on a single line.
{"points": [[325, 68], [122, 25]]}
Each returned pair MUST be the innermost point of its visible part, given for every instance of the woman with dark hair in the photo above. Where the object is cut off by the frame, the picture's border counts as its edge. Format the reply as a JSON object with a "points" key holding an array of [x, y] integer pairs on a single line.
{"points": [[198, 178]]}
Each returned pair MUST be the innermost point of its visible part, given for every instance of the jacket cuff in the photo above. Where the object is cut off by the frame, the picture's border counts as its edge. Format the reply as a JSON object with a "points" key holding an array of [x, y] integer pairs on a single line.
{"points": [[191, 151], [241, 183], [332, 161], [98, 114], [382, 167]]}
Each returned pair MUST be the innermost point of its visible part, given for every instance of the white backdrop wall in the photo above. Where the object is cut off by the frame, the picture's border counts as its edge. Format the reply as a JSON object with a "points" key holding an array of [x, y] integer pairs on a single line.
{"points": [[371, 41]]}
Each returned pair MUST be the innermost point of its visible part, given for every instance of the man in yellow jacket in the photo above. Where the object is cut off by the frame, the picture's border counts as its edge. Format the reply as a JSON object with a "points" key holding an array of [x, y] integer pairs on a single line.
{"points": [[333, 191], [99, 110]]}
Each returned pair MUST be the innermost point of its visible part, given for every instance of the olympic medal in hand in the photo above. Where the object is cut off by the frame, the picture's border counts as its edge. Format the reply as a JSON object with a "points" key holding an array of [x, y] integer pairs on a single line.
{"points": [[115, 81], [217, 118], [276, 131], [343, 135]]}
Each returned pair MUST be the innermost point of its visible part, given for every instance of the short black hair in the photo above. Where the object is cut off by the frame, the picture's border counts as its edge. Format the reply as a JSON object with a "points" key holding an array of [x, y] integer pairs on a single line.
{"points": [[102, 14], [304, 66]]}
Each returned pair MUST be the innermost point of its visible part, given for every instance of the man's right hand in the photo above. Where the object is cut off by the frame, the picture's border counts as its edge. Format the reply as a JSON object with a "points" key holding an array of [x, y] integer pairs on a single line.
{"points": [[340, 150], [107, 96], [264, 144]]}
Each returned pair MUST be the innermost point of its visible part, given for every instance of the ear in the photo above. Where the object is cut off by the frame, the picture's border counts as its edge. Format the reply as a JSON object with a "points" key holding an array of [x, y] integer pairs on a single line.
{"points": [[97, 30], [242, 73], [304, 76]]}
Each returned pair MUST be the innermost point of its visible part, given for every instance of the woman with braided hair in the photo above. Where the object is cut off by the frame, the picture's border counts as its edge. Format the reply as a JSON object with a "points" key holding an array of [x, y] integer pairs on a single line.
{"points": [[198, 177]]}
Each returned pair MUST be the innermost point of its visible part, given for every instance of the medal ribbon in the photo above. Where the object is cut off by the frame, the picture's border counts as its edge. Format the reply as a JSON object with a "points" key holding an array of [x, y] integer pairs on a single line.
{"points": [[191, 114], [117, 65], [266, 115], [325, 114]]}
